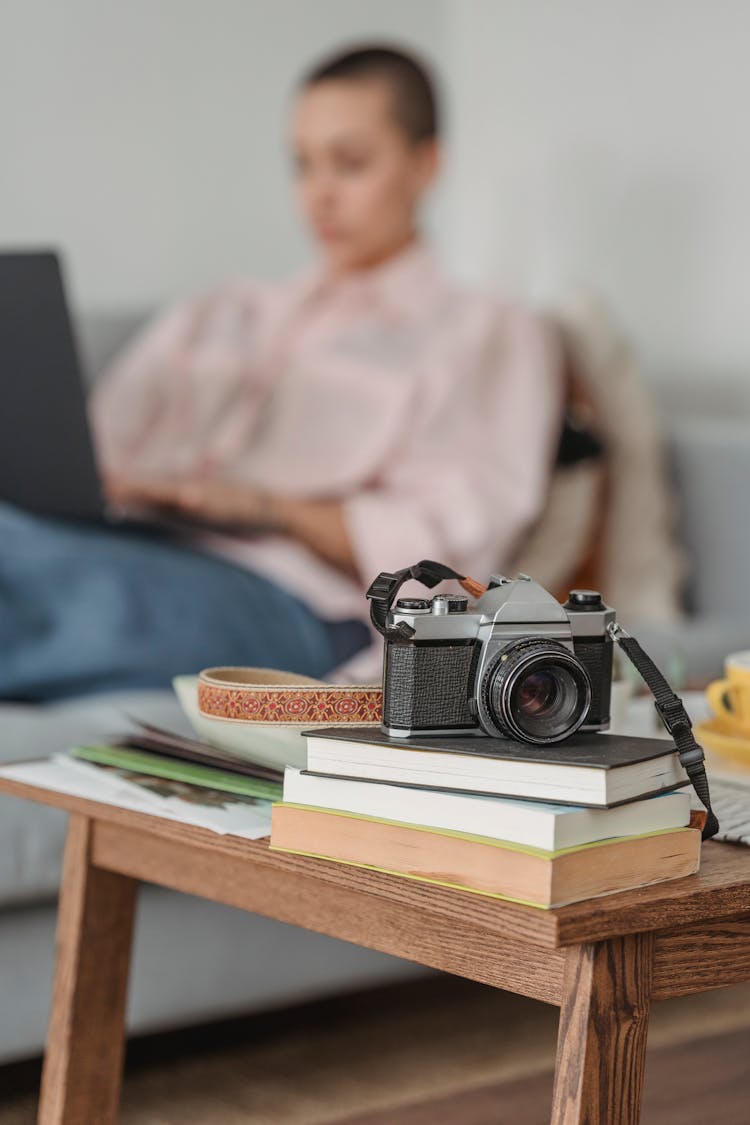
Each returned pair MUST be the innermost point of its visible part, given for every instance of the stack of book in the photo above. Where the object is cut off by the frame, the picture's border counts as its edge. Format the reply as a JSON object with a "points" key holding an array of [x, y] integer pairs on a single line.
{"points": [[544, 826]]}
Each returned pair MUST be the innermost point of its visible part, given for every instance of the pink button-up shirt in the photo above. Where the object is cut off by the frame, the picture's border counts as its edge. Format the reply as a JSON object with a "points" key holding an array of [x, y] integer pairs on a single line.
{"points": [[431, 413]]}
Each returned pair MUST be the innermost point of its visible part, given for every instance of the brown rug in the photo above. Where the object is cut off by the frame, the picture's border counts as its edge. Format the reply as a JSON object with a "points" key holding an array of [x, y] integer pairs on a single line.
{"points": [[440, 1050]]}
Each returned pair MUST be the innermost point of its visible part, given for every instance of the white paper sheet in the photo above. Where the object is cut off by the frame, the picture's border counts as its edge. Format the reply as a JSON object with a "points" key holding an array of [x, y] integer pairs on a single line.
{"points": [[222, 813]]}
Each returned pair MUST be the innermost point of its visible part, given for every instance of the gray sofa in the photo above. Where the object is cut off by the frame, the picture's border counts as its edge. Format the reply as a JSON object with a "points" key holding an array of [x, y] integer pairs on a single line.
{"points": [[710, 461], [231, 963]]}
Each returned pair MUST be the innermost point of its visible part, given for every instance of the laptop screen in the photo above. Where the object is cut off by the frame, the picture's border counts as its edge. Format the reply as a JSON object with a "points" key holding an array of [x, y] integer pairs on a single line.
{"points": [[47, 462]]}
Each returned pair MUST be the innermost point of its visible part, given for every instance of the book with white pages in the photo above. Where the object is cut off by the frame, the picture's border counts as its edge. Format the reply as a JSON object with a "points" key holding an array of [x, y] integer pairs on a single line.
{"points": [[543, 825], [600, 770]]}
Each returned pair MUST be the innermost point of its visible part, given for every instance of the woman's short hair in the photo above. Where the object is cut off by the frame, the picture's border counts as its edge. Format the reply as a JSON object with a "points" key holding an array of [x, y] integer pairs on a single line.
{"points": [[415, 101]]}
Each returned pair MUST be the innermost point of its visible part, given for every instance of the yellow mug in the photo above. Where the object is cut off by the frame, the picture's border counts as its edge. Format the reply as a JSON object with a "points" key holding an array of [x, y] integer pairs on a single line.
{"points": [[729, 698]]}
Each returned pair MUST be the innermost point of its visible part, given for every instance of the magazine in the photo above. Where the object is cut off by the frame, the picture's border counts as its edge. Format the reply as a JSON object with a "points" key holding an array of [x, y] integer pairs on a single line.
{"points": [[205, 807]]}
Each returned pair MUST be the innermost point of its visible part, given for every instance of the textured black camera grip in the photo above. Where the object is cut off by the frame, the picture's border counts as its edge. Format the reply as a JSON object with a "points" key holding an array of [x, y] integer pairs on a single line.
{"points": [[428, 686], [596, 657]]}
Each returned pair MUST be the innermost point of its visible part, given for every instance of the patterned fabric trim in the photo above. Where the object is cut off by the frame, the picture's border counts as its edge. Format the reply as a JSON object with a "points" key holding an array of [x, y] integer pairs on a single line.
{"points": [[301, 705]]}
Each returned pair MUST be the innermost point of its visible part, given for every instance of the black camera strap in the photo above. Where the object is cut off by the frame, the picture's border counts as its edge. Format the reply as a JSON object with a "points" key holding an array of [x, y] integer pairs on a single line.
{"points": [[383, 591], [671, 711]]}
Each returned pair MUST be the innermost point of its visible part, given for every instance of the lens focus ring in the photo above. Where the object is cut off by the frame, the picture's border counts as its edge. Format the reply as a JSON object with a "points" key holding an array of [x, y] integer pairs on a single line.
{"points": [[536, 691]]}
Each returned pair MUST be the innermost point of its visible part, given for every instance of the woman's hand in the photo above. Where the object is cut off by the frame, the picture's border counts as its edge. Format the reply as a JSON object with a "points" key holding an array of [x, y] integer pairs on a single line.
{"points": [[210, 500], [228, 504]]}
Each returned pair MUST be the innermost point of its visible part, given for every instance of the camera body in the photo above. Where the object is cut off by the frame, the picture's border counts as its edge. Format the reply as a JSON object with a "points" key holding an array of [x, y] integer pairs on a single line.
{"points": [[515, 663]]}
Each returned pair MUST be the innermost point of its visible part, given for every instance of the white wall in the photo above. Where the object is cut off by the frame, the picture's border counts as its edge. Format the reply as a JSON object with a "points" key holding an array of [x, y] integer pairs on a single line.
{"points": [[607, 143], [594, 141], [146, 137]]}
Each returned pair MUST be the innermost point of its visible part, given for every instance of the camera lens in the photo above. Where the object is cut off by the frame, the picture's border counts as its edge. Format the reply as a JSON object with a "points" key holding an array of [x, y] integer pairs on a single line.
{"points": [[537, 691], [537, 694]]}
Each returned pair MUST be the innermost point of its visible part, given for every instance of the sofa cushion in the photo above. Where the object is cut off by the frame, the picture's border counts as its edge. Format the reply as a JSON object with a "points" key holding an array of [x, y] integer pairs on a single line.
{"points": [[692, 651], [32, 836], [711, 464]]}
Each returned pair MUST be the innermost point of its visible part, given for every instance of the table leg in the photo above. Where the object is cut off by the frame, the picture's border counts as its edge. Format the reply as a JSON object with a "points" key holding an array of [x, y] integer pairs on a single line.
{"points": [[601, 1047], [85, 1040]]}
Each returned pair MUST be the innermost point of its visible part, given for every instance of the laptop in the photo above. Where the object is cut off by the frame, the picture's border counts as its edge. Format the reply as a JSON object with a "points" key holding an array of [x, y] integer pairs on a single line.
{"points": [[47, 460]]}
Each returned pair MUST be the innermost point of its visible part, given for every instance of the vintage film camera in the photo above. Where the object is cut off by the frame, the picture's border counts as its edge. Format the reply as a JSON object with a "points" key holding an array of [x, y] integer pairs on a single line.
{"points": [[514, 663]]}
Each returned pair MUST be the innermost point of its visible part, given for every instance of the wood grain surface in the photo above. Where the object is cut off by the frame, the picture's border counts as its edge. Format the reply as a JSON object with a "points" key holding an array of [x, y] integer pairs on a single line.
{"points": [[601, 1047], [720, 890], [697, 958], [601, 960], [81, 1077], [351, 911]]}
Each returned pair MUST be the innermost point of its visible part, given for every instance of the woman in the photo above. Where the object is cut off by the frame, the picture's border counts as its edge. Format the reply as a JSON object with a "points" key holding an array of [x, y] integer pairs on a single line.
{"points": [[355, 419]]}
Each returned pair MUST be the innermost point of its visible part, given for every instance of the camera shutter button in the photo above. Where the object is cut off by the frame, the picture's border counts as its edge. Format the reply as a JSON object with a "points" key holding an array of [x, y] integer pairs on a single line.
{"points": [[449, 603]]}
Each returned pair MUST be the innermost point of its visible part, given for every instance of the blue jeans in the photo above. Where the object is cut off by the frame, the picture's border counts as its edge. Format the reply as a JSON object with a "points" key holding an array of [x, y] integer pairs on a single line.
{"points": [[92, 609]]}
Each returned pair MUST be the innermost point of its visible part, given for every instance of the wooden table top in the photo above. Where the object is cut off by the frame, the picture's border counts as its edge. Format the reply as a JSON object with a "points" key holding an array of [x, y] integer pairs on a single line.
{"points": [[175, 851]]}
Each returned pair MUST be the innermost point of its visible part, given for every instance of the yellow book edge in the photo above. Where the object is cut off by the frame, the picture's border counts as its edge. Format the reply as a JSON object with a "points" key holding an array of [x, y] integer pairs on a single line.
{"points": [[452, 886], [413, 878], [508, 845]]}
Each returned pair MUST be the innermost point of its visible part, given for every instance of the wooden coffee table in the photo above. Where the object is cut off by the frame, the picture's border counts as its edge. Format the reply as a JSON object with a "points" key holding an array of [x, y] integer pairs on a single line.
{"points": [[602, 962]]}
